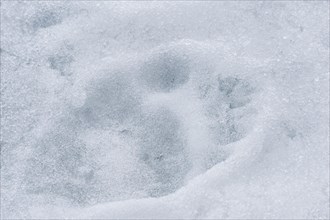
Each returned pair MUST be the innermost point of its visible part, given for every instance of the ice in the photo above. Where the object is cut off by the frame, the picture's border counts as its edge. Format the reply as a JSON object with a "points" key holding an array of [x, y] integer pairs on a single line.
{"points": [[165, 110]]}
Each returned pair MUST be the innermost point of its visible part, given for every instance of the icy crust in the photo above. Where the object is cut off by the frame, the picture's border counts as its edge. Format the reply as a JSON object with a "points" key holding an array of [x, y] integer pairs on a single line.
{"points": [[164, 110]]}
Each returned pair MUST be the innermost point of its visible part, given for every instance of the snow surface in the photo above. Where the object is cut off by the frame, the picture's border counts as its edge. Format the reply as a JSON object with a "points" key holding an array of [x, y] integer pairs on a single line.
{"points": [[185, 110]]}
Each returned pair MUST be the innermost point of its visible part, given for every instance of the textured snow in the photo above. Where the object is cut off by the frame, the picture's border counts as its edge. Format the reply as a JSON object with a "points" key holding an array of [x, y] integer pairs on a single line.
{"points": [[184, 110]]}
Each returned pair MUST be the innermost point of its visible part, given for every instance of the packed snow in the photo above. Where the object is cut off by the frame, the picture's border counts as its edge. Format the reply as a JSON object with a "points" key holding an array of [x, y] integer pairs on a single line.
{"points": [[160, 110]]}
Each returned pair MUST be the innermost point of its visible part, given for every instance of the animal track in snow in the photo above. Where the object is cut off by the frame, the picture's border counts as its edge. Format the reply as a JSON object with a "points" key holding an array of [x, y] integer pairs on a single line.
{"points": [[171, 130]]}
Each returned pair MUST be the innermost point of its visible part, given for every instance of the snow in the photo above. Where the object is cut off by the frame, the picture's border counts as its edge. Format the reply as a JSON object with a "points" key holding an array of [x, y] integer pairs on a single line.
{"points": [[159, 110]]}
